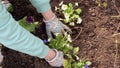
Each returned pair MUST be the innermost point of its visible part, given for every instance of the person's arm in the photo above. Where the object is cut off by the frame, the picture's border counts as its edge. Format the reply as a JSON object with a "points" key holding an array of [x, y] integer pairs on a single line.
{"points": [[53, 25], [41, 5], [13, 36]]}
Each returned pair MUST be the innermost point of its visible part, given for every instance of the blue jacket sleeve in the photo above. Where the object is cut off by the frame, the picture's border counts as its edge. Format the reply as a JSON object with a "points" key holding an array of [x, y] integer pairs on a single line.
{"points": [[13, 36], [41, 5]]}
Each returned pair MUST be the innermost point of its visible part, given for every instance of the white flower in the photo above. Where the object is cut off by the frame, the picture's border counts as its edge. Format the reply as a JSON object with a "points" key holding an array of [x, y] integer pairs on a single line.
{"points": [[77, 57], [64, 7], [49, 39], [79, 20], [72, 23], [56, 8], [76, 4], [69, 38], [67, 45], [65, 34], [67, 16], [61, 3], [36, 23], [88, 63], [60, 18], [56, 34]]}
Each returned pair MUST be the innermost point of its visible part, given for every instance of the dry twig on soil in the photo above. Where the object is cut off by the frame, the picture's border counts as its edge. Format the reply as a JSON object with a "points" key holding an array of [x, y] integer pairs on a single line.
{"points": [[116, 9], [78, 34]]}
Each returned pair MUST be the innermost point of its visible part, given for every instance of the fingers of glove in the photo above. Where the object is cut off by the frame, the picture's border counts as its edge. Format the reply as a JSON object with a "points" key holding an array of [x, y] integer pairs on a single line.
{"points": [[66, 28], [49, 34], [61, 32], [59, 29], [52, 32]]}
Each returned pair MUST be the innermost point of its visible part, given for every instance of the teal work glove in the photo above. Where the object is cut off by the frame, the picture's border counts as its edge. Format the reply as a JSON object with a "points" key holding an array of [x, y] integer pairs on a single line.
{"points": [[58, 60], [55, 26]]}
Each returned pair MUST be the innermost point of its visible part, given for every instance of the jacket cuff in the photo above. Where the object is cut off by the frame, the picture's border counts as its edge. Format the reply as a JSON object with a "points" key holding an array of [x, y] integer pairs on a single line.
{"points": [[44, 51], [41, 5], [43, 8]]}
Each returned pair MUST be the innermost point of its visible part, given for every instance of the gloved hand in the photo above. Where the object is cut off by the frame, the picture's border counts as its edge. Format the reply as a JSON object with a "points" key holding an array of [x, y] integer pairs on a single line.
{"points": [[58, 60], [55, 26], [6, 3]]}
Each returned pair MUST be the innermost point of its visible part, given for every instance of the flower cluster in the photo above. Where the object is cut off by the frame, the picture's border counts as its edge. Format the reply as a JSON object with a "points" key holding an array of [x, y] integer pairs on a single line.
{"points": [[71, 15], [63, 43]]}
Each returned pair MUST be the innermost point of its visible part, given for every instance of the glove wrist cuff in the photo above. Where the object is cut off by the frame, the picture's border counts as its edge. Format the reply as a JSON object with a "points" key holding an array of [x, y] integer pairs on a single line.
{"points": [[52, 19], [54, 58]]}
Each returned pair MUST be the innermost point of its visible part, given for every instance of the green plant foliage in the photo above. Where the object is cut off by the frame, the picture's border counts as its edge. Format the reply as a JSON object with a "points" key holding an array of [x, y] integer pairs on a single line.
{"points": [[78, 11], [63, 43], [28, 26], [70, 12], [10, 8], [105, 5], [75, 50]]}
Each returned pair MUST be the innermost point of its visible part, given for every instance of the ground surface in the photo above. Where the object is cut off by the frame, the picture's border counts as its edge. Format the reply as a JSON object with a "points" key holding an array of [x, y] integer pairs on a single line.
{"points": [[99, 38]]}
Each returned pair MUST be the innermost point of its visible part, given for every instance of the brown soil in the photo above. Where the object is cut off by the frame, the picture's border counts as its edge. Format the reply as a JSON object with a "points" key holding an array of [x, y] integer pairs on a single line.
{"points": [[98, 36]]}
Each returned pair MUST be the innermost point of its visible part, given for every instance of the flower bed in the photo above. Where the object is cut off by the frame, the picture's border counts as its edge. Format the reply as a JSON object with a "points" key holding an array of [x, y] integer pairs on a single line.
{"points": [[97, 36]]}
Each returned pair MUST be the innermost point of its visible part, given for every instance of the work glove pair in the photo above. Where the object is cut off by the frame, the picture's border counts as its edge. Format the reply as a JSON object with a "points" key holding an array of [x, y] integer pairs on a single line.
{"points": [[54, 26]]}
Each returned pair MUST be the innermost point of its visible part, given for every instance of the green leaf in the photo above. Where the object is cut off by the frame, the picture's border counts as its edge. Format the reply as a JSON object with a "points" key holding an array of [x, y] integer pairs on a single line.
{"points": [[88, 63], [70, 9], [28, 26], [52, 43], [81, 64], [78, 11], [65, 50], [66, 21], [69, 56], [10, 8], [75, 50], [70, 47], [75, 65], [105, 4], [74, 16], [70, 6], [66, 64]]}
